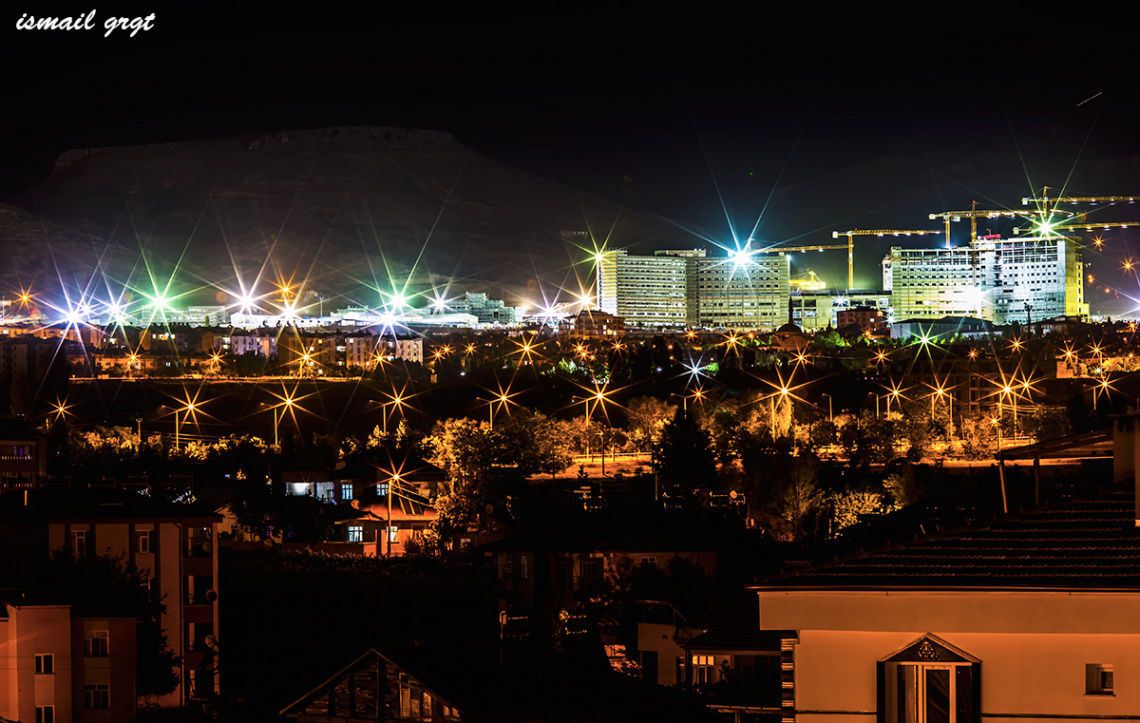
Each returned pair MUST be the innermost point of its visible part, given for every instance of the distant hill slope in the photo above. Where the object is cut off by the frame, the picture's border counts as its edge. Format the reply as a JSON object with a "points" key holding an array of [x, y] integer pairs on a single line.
{"points": [[344, 208]]}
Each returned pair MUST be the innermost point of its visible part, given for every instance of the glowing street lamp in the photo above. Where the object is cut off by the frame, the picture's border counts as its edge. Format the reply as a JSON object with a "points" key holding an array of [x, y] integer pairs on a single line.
{"points": [[503, 399], [894, 393], [186, 411], [392, 482], [698, 395], [279, 414], [1101, 387]]}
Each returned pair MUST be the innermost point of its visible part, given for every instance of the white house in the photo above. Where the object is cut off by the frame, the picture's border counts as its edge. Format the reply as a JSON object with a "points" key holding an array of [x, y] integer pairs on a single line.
{"points": [[1033, 617]]}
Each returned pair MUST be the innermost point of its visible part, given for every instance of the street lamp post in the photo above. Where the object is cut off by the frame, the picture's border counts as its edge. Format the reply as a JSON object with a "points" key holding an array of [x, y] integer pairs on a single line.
{"points": [[388, 525], [189, 408]]}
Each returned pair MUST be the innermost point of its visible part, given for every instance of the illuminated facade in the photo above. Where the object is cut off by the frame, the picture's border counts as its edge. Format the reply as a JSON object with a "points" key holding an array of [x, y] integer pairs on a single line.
{"points": [[817, 310], [997, 279], [687, 288], [748, 294], [645, 290]]}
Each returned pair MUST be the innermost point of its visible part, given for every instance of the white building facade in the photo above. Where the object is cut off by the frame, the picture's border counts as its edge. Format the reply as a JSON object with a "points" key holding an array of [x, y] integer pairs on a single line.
{"points": [[647, 291], [997, 279]]}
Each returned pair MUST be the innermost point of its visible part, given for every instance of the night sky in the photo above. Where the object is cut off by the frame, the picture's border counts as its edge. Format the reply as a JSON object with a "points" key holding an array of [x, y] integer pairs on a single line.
{"points": [[808, 119]]}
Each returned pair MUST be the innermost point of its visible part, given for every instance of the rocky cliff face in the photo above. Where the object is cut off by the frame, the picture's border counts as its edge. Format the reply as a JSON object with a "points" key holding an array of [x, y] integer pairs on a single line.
{"points": [[345, 208]]}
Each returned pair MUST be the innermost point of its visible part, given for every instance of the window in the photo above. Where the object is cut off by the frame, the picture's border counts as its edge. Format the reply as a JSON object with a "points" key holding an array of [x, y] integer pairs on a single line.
{"points": [[929, 681], [382, 489], [79, 542], [346, 491], [97, 697], [704, 669], [45, 714], [356, 533], [45, 664], [143, 541], [393, 533], [199, 636], [1099, 679], [198, 542], [96, 644]]}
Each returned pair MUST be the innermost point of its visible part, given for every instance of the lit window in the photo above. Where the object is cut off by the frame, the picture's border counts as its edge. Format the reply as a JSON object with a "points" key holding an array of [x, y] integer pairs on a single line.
{"points": [[393, 532], [1099, 679], [356, 533], [704, 669], [346, 492]]}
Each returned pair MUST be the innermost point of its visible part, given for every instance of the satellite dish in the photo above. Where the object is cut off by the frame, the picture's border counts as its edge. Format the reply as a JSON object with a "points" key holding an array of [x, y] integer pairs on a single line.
{"points": [[211, 596]]}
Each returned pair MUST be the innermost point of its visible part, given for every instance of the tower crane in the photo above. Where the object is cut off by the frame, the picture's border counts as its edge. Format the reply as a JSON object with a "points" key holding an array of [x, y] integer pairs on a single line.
{"points": [[1044, 201], [1044, 205], [867, 232], [802, 249], [974, 214]]}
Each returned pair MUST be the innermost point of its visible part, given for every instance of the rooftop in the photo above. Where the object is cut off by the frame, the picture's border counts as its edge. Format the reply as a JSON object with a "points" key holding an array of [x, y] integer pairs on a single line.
{"points": [[1082, 544]]}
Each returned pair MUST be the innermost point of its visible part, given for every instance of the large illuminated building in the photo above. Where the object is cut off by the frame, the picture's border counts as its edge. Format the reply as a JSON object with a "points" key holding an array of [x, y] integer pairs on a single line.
{"points": [[1002, 280], [742, 291], [645, 290], [745, 290]]}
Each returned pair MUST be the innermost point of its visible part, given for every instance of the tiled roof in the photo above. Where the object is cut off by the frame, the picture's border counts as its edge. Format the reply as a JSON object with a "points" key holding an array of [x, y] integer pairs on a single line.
{"points": [[1090, 543]]}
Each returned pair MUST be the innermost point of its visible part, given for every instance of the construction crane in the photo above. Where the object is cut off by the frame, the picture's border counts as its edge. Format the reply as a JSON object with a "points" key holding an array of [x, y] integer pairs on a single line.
{"points": [[1044, 201], [851, 245], [974, 214], [1048, 228], [1053, 228], [803, 249]]}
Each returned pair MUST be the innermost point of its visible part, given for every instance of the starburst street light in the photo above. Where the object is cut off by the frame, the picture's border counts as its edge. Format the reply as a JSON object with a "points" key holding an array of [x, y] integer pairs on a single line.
{"points": [[397, 400], [61, 410], [941, 392], [279, 412], [698, 395], [502, 398], [186, 410], [287, 401], [1101, 387], [895, 393]]}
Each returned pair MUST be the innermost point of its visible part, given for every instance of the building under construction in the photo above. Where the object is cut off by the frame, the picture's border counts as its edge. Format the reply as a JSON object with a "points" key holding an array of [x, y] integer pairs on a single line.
{"points": [[997, 279], [1021, 278]]}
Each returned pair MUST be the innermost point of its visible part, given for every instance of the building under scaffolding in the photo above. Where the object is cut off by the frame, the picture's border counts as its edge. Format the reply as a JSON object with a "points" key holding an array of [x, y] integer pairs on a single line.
{"points": [[1002, 280]]}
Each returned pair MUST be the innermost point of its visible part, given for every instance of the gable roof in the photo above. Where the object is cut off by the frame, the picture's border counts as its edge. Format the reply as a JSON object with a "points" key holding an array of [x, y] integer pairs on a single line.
{"points": [[1090, 543], [365, 697]]}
